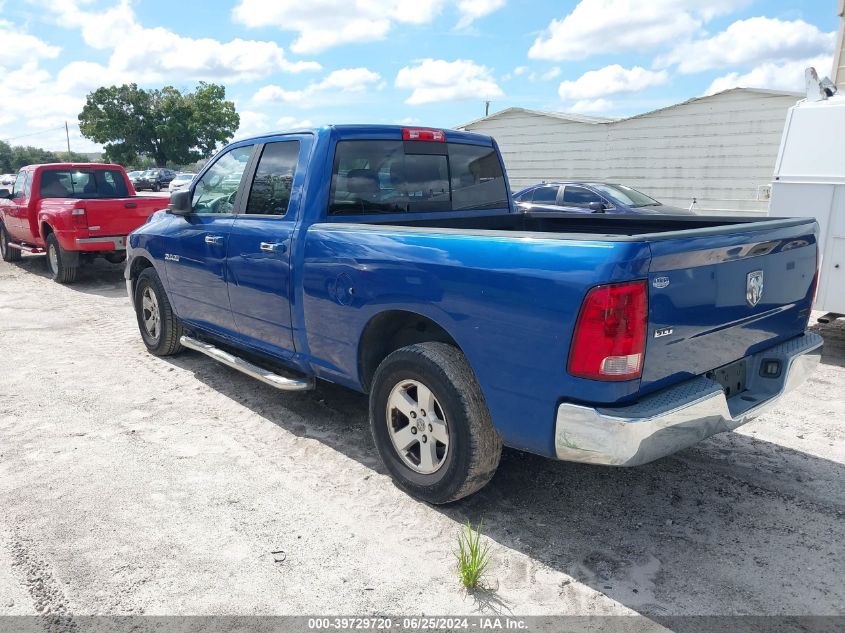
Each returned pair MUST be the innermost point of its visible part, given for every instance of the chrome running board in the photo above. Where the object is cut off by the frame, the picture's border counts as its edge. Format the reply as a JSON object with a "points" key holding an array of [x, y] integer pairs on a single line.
{"points": [[259, 373]]}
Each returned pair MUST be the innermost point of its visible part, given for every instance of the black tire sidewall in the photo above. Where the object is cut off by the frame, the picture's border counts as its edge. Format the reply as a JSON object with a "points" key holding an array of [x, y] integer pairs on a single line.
{"points": [[405, 365], [146, 280], [53, 243]]}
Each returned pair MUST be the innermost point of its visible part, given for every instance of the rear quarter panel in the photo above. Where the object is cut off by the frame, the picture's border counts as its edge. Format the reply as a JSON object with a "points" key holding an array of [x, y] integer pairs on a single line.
{"points": [[509, 302]]}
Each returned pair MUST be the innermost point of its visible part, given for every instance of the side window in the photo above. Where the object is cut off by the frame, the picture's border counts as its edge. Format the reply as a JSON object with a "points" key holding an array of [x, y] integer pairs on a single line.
{"points": [[545, 195], [579, 197], [20, 185], [271, 187], [217, 189], [27, 185]]}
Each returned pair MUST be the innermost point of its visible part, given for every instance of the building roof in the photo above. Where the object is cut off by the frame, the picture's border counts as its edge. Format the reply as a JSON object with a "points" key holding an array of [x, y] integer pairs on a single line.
{"points": [[595, 120]]}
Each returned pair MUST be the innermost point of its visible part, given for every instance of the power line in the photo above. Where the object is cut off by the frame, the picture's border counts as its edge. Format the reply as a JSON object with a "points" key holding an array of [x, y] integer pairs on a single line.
{"points": [[14, 138]]}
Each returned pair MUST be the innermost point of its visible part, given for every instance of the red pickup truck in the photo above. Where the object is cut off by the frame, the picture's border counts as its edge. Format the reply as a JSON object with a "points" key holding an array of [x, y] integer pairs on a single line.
{"points": [[72, 211]]}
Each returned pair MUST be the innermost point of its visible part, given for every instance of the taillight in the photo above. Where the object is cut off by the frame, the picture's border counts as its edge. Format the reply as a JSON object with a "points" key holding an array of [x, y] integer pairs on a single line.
{"points": [[814, 292], [422, 134], [610, 335], [78, 217]]}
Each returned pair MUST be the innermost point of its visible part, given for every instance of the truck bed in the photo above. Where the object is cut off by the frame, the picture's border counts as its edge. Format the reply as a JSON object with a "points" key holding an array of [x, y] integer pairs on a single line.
{"points": [[610, 227]]}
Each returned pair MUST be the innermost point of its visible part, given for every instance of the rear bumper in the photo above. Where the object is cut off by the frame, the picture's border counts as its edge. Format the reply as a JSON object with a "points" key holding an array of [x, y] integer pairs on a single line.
{"points": [[673, 419], [103, 243]]}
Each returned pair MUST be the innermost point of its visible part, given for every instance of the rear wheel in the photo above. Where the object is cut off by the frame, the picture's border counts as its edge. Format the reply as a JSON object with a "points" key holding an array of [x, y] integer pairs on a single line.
{"points": [[8, 253], [159, 325], [58, 262], [430, 423], [156, 187]]}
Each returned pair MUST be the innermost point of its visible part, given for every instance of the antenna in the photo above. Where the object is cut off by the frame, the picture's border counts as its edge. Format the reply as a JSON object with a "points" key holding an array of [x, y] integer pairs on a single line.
{"points": [[486, 108]]}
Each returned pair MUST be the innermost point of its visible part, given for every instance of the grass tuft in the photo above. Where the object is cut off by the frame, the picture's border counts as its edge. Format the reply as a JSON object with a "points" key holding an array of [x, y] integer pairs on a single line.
{"points": [[473, 556]]}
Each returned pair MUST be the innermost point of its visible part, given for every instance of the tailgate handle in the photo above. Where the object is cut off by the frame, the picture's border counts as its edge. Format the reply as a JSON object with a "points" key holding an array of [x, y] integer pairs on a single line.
{"points": [[131, 205]]}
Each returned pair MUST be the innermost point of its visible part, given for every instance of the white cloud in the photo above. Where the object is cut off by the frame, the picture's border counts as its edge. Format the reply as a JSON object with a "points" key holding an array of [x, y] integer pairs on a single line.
{"points": [[344, 81], [471, 10], [433, 80], [752, 41], [18, 48], [611, 26], [591, 106], [773, 76], [157, 54], [552, 73], [322, 24], [613, 79], [292, 123]]}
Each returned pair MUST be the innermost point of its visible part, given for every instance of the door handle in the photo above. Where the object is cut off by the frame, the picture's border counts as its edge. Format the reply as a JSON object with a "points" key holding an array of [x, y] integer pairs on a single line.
{"points": [[214, 239], [273, 247]]}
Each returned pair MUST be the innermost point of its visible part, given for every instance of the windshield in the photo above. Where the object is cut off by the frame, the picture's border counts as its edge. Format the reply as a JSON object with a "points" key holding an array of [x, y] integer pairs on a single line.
{"points": [[414, 177], [184, 177], [621, 194], [83, 184]]}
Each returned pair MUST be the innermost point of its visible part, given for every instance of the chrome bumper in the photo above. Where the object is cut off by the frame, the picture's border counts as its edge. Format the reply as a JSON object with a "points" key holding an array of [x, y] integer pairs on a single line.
{"points": [[117, 242], [667, 421]]}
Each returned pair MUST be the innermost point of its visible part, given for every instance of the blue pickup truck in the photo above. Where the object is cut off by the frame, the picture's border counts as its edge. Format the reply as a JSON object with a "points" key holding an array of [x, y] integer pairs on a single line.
{"points": [[393, 261]]}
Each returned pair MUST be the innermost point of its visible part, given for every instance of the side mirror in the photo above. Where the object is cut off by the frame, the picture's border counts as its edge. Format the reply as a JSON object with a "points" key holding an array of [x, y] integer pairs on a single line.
{"points": [[180, 202], [597, 207], [5, 194]]}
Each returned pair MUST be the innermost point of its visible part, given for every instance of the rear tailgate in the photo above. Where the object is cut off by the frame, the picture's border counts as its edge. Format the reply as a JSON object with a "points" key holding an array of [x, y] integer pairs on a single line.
{"points": [[717, 295], [120, 216]]}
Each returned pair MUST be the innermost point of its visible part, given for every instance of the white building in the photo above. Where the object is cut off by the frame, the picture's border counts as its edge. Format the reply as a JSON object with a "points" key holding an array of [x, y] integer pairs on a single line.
{"points": [[719, 150]]}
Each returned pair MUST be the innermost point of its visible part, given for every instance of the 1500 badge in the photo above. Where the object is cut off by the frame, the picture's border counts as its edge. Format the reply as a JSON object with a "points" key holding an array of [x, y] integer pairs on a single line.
{"points": [[665, 331], [171, 258]]}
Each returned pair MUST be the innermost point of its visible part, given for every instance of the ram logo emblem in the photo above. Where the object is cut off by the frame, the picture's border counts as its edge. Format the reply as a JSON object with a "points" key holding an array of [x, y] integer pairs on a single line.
{"points": [[660, 282], [754, 287]]}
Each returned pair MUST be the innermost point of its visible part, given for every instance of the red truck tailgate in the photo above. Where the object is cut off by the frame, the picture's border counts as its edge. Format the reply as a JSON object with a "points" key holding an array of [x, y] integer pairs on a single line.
{"points": [[717, 298], [120, 216]]}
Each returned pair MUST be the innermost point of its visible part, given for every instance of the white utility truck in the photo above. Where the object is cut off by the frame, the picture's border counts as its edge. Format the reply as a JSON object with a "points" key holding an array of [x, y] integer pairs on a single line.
{"points": [[809, 180]]}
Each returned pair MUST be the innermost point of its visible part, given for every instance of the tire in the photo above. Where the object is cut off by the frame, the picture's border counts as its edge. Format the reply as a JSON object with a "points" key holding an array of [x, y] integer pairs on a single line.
{"points": [[8, 253], [468, 459], [57, 262], [156, 187], [152, 307]]}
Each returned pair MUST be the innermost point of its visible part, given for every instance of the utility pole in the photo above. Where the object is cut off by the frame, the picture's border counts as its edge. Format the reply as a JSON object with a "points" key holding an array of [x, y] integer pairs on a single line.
{"points": [[67, 136]]}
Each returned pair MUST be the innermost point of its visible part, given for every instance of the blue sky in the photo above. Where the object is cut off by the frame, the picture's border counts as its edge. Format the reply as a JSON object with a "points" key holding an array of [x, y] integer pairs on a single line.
{"points": [[429, 62]]}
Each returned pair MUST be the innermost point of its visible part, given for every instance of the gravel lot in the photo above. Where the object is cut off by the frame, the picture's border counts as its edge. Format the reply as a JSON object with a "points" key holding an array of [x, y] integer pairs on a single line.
{"points": [[131, 484]]}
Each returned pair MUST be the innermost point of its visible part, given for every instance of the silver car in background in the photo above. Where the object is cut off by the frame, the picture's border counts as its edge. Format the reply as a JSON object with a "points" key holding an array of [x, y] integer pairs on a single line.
{"points": [[180, 182]]}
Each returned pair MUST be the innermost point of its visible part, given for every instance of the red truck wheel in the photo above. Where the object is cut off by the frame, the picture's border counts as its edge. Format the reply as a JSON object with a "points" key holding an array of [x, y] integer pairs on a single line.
{"points": [[57, 262], [159, 325], [430, 423], [8, 253]]}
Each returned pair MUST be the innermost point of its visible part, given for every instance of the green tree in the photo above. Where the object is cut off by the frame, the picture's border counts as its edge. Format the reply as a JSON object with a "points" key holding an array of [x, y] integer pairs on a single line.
{"points": [[13, 157], [164, 125]]}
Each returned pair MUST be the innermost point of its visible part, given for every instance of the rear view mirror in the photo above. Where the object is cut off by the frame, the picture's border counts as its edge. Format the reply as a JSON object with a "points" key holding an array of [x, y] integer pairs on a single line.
{"points": [[597, 207], [5, 194], [180, 203]]}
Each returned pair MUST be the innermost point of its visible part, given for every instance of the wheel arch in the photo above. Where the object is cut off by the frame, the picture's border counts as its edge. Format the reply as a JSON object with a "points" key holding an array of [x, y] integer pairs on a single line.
{"points": [[391, 330], [138, 265]]}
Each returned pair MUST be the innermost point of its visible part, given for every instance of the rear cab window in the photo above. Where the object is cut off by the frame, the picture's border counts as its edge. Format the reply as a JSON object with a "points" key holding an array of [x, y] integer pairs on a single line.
{"points": [[381, 176], [83, 184]]}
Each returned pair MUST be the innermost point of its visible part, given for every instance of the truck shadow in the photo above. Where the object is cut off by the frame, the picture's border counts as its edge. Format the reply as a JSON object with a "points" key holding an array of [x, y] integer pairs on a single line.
{"points": [[97, 278], [735, 525]]}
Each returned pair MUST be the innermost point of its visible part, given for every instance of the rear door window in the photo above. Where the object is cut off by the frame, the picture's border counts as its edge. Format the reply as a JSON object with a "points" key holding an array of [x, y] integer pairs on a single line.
{"points": [[273, 182], [579, 197], [372, 177]]}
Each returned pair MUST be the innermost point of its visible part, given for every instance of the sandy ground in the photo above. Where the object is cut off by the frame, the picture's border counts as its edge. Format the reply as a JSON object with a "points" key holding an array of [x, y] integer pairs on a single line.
{"points": [[131, 484]]}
